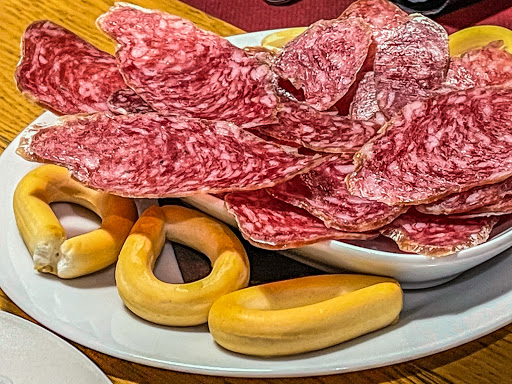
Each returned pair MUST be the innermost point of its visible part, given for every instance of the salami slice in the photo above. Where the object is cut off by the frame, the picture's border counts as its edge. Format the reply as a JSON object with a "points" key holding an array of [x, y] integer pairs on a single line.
{"points": [[65, 73], [325, 59], [364, 105], [267, 222], [486, 66], [410, 63], [151, 155], [381, 15], [446, 144], [126, 101], [319, 131], [323, 193], [470, 200], [437, 235], [176, 67]]}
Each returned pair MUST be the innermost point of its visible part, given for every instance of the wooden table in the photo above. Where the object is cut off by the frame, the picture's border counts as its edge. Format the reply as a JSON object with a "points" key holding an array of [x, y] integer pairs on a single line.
{"points": [[486, 360]]}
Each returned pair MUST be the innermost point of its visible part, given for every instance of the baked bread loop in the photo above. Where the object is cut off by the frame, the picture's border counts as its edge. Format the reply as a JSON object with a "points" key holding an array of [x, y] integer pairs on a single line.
{"points": [[178, 304], [304, 314], [45, 237]]}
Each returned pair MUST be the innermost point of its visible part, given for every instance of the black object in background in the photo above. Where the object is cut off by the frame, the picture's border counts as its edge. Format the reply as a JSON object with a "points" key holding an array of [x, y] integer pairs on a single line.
{"points": [[432, 7]]}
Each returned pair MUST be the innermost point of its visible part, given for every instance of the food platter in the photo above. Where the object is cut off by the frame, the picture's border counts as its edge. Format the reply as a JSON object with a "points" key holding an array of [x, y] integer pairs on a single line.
{"points": [[89, 311]]}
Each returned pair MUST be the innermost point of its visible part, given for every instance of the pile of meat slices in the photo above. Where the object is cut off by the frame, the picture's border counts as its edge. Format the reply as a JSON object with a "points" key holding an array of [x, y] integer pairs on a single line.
{"points": [[360, 126]]}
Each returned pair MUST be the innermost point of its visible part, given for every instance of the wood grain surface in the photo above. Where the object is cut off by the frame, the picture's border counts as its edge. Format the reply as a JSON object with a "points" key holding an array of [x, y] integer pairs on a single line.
{"points": [[486, 360]]}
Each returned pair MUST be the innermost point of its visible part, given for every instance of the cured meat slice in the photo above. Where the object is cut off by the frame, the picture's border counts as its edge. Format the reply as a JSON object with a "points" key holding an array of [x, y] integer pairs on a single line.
{"points": [[410, 63], [151, 155], [267, 222], [126, 101], [470, 200], [319, 131], [381, 15], [324, 60], [446, 144], [323, 193], [65, 73], [500, 208], [176, 67], [437, 235], [486, 66], [364, 105]]}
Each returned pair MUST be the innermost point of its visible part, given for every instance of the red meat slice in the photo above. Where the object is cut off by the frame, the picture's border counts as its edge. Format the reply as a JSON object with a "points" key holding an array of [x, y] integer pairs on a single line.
{"points": [[267, 222], [65, 73], [381, 15], [176, 67], [324, 60], [446, 144], [323, 193], [126, 101], [364, 105], [470, 200], [437, 235], [319, 131], [410, 63], [150, 155], [490, 65]]}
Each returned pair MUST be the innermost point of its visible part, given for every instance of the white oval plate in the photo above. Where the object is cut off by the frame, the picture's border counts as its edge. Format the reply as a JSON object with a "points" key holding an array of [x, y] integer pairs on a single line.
{"points": [[89, 311], [31, 354]]}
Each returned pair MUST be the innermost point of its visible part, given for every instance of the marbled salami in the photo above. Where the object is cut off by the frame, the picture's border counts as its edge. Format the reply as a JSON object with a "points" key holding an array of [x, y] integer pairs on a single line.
{"points": [[381, 15], [319, 131], [410, 63], [151, 155], [323, 193], [437, 235], [178, 68], [364, 105], [126, 101], [435, 147], [65, 73], [486, 66], [267, 222], [470, 200], [324, 60]]}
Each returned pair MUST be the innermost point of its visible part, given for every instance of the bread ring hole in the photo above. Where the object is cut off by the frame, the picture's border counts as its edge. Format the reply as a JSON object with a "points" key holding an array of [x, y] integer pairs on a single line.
{"points": [[75, 219], [193, 264], [166, 267]]}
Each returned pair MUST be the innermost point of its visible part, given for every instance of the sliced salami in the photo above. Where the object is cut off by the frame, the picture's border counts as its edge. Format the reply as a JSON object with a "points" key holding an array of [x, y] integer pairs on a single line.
{"points": [[437, 235], [65, 73], [486, 66], [381, 15], [176, 67], [319, 131], [151, 155], [324, 60], [364, 105], [446, 144], [410, 63], [267, 222], [470, 200], [126, 101], [323, 193]]}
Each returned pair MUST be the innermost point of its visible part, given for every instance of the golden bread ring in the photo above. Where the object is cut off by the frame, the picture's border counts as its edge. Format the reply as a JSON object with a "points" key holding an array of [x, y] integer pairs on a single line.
{"points": [[303, 314], [279, 39], [478, 36], [45, 237], [178, 304]]}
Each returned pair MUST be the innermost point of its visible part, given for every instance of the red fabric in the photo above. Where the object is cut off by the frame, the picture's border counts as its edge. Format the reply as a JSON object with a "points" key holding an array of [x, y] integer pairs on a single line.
{"points": [[256, 15]]}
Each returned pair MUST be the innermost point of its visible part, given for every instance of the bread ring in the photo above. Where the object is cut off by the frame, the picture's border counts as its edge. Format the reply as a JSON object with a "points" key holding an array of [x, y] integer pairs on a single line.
{"points": [[303, 314], [178, 304], [45, 237]]}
